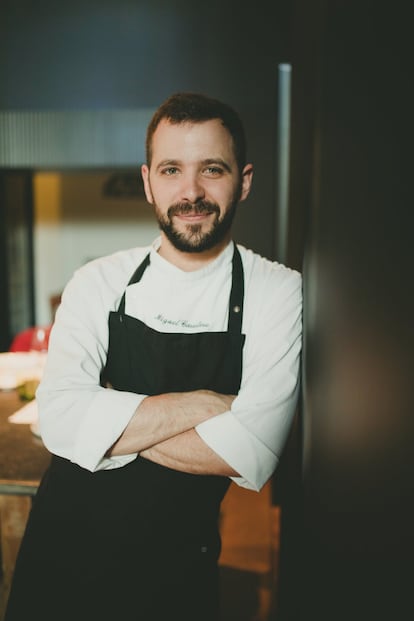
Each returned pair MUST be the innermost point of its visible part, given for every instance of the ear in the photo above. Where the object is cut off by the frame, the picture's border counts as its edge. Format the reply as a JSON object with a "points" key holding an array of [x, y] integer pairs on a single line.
{"points": [[147, 186], [246, 183]]}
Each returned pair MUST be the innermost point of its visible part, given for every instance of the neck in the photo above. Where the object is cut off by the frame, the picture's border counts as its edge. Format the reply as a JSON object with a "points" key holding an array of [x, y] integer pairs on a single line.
{"points": [[189, 261]]}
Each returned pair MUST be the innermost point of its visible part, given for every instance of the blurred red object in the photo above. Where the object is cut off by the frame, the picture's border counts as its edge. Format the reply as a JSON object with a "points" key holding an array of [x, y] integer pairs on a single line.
{"points": [[35, 338]]}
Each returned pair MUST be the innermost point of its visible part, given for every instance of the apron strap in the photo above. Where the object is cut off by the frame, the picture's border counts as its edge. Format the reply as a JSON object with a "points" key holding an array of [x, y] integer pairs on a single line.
{"points": [[136, 277], [236, 295]]}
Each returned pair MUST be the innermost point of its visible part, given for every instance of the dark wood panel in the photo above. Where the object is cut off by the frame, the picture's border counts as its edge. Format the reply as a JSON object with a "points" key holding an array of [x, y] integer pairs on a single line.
{"points": [[16, 254]]}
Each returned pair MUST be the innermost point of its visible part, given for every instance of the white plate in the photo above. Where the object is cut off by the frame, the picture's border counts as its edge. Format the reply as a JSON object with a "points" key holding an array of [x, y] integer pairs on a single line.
{"points": [[17, 367], [26, 415]]}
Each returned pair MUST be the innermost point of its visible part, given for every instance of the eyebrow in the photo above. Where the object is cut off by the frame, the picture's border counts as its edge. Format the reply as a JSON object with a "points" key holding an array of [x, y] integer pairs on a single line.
{"points": [[207, 162], [217, 160], [167, 163]]}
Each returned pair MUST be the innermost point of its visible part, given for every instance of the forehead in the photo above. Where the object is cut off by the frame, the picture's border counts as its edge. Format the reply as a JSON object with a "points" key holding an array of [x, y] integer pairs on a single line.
{"points": [[192, 141]]}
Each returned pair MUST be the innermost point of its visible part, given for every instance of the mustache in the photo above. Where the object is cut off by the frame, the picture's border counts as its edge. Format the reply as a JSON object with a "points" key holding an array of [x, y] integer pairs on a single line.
{"points": [[198, 207]]}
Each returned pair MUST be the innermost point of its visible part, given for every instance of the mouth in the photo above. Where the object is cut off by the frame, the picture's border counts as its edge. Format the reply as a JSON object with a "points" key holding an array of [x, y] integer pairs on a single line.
{"points": [[194, 216]]}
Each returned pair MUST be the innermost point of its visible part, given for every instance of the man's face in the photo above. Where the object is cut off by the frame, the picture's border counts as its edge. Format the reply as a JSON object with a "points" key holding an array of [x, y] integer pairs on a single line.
{"points": [[194, 183]]}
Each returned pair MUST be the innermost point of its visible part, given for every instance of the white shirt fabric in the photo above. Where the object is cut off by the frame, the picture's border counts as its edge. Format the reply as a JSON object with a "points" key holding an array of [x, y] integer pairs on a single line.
{"points": [[80, 420]]}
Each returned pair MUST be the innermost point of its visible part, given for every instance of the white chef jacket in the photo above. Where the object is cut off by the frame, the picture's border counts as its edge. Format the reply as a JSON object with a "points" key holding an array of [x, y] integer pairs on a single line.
{"points": [[80, 420]]}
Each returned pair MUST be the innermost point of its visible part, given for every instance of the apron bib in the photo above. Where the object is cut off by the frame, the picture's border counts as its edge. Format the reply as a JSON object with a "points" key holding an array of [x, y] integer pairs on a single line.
{"points": [[140, 541]]}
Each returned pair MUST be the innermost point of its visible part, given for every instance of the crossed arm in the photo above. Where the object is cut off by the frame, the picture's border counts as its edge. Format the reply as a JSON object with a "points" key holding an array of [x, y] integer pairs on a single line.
{"points": [[92, 426], [162, 431]]}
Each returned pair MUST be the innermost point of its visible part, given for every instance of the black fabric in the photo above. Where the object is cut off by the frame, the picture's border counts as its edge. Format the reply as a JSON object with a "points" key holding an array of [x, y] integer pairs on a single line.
{"points": [[141, 541]]}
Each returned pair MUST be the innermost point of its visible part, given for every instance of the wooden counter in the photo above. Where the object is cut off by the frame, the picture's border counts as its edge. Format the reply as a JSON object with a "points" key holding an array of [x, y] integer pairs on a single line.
{"points": [[23, 460]]}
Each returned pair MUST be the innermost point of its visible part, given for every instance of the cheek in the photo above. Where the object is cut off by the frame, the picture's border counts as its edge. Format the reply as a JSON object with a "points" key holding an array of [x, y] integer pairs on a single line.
{"points": [[163, 194], [161, 201], [220, 194], [231, 196]]}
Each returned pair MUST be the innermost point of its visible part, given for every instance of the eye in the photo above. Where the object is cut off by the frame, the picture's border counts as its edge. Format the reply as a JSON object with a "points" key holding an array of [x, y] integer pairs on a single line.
{"points": [[169, 171], [213, 171]]}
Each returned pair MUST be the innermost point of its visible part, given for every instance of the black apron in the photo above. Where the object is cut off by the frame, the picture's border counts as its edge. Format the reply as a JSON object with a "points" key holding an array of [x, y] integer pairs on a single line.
{"points": [[140, 542]]}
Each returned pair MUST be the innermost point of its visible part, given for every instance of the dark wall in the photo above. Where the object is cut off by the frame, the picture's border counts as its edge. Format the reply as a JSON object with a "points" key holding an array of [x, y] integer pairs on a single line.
{"points": [[351, 552], [123, 53]]}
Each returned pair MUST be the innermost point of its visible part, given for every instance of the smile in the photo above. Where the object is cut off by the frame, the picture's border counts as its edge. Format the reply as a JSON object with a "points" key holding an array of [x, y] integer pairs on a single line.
{"points": [[193, 216]]}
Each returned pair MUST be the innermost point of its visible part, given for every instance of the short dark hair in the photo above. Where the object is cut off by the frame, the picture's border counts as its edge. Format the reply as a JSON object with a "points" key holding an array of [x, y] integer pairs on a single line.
{"points": [[196, 108]]}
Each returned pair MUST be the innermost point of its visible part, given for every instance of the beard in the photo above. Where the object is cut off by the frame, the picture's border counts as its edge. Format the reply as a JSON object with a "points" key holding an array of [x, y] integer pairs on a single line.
{"points": [[193, 238]]}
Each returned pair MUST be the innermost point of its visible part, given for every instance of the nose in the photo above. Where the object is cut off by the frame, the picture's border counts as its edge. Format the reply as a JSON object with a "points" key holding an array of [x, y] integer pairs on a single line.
{"points": [[192, 189]]}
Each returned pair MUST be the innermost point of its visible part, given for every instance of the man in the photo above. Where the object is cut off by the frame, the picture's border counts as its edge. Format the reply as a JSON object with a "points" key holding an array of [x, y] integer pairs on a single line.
{"points": [[172, 370]]}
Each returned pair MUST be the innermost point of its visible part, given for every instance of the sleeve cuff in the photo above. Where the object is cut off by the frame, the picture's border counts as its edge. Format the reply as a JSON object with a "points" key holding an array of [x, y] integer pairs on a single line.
{"points": [[106, 420], [225, 435]]}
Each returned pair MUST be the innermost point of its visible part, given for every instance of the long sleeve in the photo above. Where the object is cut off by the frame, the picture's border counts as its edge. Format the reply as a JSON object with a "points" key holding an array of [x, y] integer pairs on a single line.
{"points": [[79, 419], [251, 436]]}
